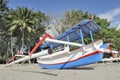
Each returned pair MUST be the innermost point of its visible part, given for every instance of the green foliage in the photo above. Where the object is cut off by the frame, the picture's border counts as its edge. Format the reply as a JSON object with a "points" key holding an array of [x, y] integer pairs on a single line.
{"points": [[3, 7], [19, 27], [22, 19], [3, 30], [24, 25], [26, 21], [74, 16], [107, 33]]}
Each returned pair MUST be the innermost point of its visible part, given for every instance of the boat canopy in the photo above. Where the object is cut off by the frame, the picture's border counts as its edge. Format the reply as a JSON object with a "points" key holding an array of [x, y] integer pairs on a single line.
{"points": [[76, 32]]}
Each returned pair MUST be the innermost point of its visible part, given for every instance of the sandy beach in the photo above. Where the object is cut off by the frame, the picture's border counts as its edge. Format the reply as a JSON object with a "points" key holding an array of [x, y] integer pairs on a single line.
{"points": [[101, 71]]}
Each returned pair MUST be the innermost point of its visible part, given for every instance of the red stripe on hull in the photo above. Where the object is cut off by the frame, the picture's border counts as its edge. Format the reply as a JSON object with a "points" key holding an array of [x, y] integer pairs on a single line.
{"points": [[90, 54]]}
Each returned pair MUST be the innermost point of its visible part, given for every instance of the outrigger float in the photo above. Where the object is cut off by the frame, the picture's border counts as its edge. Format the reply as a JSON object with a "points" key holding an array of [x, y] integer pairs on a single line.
{"points": [[59, 55]]}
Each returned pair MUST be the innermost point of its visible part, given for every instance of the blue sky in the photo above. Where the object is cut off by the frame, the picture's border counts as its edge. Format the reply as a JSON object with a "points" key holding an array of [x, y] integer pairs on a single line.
{"points": [[108, 9]]}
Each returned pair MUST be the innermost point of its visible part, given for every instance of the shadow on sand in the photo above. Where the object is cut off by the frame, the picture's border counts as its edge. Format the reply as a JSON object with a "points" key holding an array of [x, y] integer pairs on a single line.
{"points": [[82, 68], [39, 72], [52, 74]]}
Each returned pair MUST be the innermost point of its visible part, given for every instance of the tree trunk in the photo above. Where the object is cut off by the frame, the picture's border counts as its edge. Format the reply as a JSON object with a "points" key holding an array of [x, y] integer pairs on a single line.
{"points": [[7, 51], [22, 38], [11, 45], [29, 48]]}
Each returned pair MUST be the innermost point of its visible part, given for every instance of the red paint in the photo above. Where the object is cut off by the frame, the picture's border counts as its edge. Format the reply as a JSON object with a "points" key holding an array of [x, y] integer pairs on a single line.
{"points": [[111, 51], [12, 59], [90, 54], [73, 50], [34, 49], [40, 42]]}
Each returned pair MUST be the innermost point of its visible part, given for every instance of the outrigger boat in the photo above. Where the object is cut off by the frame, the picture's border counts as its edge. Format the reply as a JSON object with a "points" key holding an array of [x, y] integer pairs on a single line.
{"points": [[56, 52]]}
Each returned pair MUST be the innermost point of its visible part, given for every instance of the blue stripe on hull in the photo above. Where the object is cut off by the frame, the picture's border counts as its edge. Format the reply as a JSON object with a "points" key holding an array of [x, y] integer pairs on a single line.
{"points": [[80, 62]]}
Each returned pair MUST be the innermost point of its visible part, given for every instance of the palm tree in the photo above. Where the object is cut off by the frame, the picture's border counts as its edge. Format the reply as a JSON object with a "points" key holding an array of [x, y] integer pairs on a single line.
{"points": [[26, 23], [3, 12], [3, 7], [39, 29], [22, 20], [3, 27]]}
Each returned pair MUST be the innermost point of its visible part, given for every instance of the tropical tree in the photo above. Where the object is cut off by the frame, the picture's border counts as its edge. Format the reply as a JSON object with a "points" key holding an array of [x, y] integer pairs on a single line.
{"points": [[3, 30], [107, 33], [3, 7], [21, 20], [39, 29], [3, 13], [25, 25], [74, 16]]}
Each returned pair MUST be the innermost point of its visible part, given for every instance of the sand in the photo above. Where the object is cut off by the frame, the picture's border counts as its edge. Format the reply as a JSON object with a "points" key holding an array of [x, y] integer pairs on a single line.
{"points": [[101, 71]]}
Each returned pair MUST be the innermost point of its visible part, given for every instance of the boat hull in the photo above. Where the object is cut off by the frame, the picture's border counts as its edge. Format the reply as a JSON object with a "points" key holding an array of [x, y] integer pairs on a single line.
{"points": [[91, 58], [76, 60]]}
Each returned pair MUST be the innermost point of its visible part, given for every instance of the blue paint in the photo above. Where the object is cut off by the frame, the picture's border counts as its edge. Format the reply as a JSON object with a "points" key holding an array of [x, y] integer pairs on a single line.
{"points": [[74, 31], [80, 62], [91, 36], [51, 47], [104, 46], [81, 35], [68, 38]]}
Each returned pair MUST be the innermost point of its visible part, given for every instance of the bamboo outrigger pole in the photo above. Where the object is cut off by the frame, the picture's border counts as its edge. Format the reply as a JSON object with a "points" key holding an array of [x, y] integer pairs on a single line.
{"points": [[44, 38], [63, 42], [31, 55], [28, 57]]}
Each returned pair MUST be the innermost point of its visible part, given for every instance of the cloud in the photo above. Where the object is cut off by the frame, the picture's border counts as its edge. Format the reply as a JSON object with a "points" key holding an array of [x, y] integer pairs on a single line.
{"points": [[116, 24], [113, 16], [110, 14]]}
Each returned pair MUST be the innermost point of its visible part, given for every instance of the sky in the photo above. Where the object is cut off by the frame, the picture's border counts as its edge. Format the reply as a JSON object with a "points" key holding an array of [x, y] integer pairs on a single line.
{"points": [[107, 9]]}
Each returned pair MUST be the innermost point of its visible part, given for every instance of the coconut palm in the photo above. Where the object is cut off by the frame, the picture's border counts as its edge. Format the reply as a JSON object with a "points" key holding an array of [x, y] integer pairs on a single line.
{"points": [[3, 12], [22, 20], [3, 7], [26, 24], [3, 36]]}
